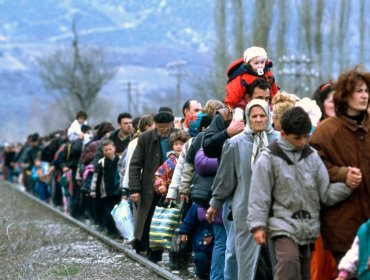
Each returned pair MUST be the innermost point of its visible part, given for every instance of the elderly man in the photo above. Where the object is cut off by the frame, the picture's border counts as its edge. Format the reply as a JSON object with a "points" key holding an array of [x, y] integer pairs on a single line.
{"points": [[149, 154]]}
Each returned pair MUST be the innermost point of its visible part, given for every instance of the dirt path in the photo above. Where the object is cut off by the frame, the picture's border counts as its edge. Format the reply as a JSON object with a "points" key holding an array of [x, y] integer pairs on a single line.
{"points": [[35, 244]]}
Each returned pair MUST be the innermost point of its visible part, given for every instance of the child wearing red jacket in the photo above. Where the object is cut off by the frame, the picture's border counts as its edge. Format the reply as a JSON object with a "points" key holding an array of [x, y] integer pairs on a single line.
{"points": [[244, 72]]}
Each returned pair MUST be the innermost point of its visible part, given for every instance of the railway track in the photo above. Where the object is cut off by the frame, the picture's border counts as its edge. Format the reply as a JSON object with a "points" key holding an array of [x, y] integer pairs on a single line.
{"points": [[114, 244]]}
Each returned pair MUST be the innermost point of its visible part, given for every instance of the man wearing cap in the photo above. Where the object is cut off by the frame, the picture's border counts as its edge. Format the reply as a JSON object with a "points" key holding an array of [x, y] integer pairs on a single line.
{"points": [[149, 154]]}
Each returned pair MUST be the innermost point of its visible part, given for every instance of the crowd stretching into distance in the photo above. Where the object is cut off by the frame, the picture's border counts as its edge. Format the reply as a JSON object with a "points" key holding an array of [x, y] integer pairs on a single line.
{"points": [[271, 186]]}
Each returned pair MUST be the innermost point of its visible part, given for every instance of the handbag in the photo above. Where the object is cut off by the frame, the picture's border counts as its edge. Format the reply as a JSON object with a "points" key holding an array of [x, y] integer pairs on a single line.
{"points": [[124, 220], [164, 221]]}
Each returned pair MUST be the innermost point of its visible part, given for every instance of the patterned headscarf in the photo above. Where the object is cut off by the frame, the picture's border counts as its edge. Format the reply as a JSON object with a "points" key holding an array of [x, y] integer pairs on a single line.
{"points": [[259, 138]]}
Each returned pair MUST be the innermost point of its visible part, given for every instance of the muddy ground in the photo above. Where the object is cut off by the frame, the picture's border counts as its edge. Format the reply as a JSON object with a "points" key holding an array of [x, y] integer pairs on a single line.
{"points": [[35, 244]]}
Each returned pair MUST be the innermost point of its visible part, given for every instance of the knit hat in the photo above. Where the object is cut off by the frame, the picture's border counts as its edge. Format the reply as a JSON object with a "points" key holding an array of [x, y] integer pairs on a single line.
{"points": [[163, 117], [253, 52]]}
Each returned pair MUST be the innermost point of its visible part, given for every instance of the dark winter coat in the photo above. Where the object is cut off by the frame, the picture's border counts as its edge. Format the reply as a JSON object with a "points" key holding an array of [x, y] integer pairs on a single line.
{"points": [[145, 160], [215, 136]]}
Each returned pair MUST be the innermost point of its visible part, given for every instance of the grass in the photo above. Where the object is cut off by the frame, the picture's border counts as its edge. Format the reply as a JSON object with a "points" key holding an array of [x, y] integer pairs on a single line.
{"points": [[64, 270]]}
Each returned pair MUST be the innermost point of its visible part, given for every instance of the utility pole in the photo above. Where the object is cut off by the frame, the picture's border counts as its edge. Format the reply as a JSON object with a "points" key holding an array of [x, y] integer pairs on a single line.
{"points": [[175, 68], [130, 89]]}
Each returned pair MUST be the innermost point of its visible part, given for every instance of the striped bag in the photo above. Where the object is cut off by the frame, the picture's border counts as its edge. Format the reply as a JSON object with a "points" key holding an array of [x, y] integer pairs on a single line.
{"points": [[162, 227]]}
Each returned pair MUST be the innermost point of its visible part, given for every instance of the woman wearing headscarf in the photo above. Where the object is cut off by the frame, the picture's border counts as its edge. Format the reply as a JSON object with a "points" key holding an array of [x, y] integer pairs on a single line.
{"points": [[232, 181]]}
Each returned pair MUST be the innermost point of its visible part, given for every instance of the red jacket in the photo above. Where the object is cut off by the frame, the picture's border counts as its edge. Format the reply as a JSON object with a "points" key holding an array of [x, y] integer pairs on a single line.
{"points": [[236, 88]]}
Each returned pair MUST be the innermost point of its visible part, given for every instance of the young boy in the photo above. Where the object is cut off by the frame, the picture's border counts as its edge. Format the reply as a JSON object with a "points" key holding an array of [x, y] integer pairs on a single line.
{"points": [[256, 65], [288, 183], [106, 181], [163, 175], [196, 229]]}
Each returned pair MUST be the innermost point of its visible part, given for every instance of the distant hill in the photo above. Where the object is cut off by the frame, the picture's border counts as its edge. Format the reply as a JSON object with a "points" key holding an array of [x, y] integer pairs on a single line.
{"points": [[140, 36]]}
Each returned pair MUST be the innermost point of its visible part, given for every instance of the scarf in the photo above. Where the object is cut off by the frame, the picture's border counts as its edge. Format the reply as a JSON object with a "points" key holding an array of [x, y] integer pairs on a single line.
{"points": [[260, 139]]}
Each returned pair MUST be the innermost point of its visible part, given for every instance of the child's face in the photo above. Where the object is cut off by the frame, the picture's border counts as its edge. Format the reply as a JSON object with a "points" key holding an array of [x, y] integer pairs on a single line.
{"points": [[258, 64], [177, 147], [81, 120], [109, 151], [298, 141]]}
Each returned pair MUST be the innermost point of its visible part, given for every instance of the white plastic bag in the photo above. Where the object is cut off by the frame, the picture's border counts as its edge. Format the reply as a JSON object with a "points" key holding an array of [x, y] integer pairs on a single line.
{"points": [[122, 216]]}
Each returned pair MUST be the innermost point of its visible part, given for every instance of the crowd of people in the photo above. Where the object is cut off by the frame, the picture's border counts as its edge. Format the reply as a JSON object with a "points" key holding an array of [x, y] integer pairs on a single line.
{"points": [[271, 186]]}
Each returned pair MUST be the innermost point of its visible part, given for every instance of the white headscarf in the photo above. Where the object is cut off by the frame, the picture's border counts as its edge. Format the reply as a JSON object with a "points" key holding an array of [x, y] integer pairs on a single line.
{"points": [[260, 139]]}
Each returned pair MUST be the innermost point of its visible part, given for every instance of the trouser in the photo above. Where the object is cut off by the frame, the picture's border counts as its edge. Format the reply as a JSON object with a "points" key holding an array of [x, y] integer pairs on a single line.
{"points": [[218, 254], [43, 191], [202, 261], [108, 203], [56, 191], [293, 261]]}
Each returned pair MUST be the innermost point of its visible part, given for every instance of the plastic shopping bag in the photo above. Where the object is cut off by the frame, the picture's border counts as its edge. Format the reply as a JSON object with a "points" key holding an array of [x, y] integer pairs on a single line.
{"points": [[162, 227], [122, 216]]}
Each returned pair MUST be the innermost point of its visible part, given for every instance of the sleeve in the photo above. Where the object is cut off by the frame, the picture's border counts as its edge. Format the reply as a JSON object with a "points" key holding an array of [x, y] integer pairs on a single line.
{"points": [[194, 147], [136, 166], [330, 193], [124, 184], [186, 178], [94, 182], [160, 177], [190, 222], [349, 262], [225, 180], [214, 137], [260, 192], [234, 92], [204, 165], [317, 140]]}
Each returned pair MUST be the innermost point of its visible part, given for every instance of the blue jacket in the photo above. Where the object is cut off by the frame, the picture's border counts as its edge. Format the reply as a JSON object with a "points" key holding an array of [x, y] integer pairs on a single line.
{"points": [[197, 230]]}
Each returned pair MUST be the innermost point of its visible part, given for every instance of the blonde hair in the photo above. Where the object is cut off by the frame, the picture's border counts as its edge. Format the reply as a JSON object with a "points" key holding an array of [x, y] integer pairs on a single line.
{"points": [[212, 106], [281, 102]]}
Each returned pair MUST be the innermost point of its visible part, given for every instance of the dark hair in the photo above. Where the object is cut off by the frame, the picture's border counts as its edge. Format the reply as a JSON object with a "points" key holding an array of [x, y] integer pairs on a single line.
{"points": [[81, 114], [85, 128], [258, 83], [123, 116], [205, 121], [295, 121], [180, 135], [103, 129], [321, 94], [346, 85], [107, 142], [186, 106]]}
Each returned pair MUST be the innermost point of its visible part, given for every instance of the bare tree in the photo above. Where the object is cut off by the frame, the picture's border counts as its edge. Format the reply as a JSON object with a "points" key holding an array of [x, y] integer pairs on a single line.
{"points": [[76, 75], [262, 18], [238, 27], [362, 31], [221, 57], [212, 84], [342, 32]]}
